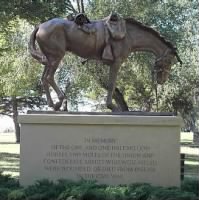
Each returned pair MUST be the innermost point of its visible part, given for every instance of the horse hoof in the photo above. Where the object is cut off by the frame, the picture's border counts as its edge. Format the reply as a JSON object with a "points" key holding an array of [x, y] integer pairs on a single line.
{"points": [[65, 107], [115, 109], [57, 106]]}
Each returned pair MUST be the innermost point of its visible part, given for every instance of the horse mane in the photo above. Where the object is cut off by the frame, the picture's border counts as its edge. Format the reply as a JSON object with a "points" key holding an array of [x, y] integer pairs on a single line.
{"points": [[151, 30]]}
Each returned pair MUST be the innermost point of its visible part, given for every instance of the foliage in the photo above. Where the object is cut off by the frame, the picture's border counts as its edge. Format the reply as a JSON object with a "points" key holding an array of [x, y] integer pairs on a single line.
{"points": [[18, 77], [6, 181], [16, 71], [4, 193], [175, 20], [190, 185], [89, 190], [33, 11], [17, 195], [73, 80], [7, 185], [27, 102]]}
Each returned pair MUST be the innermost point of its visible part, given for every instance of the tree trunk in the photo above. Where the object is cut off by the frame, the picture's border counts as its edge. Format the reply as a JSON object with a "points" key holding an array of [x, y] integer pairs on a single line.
{"points": [[15, 117], [78, 6], [119, 98], [82, 5]]}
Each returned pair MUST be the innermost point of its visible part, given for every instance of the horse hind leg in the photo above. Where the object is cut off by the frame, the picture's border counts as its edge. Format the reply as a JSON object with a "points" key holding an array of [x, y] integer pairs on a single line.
{"points": [[51, 81], [45, 85], [54, 50]]}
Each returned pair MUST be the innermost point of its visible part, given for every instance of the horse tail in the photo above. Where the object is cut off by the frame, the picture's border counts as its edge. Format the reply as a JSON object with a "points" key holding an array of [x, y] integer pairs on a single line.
{"points": [[38, 55]]}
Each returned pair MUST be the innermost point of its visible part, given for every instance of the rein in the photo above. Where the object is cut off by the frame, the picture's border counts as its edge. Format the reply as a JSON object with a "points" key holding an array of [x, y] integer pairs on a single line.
{"points": [[154, 76], [163, 55], [160, 58], [155, 87]]}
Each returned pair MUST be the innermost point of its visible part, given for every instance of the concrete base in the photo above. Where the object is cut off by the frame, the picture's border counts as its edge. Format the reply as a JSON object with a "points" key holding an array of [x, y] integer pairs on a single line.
{"points": [[112, 149]]}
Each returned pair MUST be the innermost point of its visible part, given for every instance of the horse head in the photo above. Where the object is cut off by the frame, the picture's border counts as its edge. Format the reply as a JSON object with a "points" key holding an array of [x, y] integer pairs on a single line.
{"points": [[163, 65]]}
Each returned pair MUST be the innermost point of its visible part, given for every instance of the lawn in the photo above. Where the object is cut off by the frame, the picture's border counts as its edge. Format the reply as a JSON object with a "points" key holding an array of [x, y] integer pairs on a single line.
{"points": [[9, 154]]}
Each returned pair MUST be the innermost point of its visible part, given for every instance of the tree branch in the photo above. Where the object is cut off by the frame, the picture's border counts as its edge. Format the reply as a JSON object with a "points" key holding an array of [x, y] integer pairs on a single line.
{"points": [[78, 6], [70, 7], [82, 6]]}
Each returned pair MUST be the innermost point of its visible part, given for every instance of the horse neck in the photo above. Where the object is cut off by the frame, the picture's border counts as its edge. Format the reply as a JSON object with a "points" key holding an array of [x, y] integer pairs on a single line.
{"points": [[144, 39]]}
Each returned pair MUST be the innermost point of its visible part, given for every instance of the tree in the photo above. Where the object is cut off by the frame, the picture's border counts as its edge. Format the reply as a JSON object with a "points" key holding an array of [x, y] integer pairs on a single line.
{"points": [[177, 21], [34, 11], [18, 77]]}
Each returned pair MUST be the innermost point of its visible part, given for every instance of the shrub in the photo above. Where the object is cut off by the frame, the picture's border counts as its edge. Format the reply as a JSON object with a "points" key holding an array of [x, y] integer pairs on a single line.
{"points": [[140, 191], [90, 190], [4, 193], [6, 181], [17, 195], [171, 194], [95, 194], [191, 185], [42, 190]]}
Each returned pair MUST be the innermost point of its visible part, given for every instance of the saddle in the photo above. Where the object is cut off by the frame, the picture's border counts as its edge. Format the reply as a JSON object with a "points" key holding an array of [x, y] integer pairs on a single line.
{"points": [[115, 28], [82, 21]]}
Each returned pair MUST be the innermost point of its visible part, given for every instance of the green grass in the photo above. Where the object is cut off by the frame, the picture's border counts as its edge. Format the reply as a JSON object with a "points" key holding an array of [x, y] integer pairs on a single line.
{"points": [[9, 154], [9, 163]]}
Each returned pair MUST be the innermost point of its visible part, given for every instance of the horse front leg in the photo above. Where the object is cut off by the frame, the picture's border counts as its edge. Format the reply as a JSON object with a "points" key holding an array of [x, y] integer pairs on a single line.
{"points": [[117, 95], [111, 86]]}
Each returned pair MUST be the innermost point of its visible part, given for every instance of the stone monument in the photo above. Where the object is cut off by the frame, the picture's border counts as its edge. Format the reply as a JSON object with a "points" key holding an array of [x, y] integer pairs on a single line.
{"points": [[112, 149]]}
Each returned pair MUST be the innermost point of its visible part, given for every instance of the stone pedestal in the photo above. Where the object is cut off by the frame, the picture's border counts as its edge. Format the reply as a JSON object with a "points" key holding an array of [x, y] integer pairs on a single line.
{"points": [[112, 149]]}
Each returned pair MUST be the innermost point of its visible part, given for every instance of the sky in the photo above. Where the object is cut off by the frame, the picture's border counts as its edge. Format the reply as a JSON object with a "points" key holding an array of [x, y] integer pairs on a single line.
{"points": [[6, 123]]}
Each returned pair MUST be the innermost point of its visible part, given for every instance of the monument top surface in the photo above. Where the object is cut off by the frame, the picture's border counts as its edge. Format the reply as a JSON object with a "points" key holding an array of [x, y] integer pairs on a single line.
{"points": [[105, 113], [124, 118]]}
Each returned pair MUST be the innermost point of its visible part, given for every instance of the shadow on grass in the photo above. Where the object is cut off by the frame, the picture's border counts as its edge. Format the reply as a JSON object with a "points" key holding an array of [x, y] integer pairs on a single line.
{"points": [[191, 171], [9, 163], [191, 167]]}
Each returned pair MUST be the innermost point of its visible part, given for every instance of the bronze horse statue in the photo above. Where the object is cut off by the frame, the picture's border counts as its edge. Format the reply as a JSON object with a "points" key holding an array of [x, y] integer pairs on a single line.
{"points": [[110, 46]]}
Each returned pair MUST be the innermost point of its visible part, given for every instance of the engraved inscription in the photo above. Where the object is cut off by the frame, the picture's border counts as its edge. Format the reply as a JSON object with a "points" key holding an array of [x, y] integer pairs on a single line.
{"points": [[100, 158]]}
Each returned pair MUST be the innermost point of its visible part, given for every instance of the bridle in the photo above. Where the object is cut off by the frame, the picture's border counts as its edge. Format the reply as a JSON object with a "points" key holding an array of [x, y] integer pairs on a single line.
{"points": [[159, 59], [163, 55], [155, 72]]}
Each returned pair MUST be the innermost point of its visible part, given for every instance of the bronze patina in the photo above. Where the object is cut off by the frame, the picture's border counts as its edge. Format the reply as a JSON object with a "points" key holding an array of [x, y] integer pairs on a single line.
{"points": [[109, 40]]}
